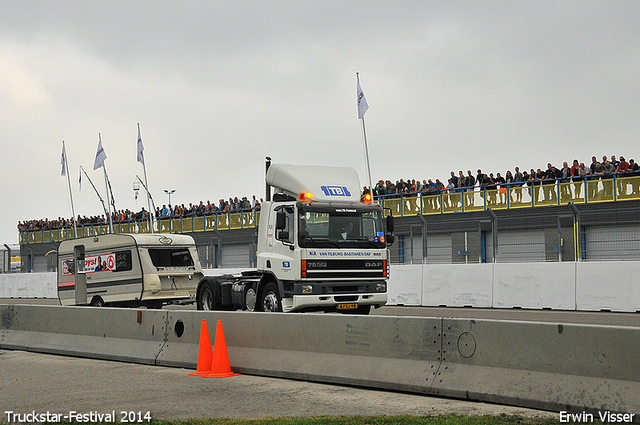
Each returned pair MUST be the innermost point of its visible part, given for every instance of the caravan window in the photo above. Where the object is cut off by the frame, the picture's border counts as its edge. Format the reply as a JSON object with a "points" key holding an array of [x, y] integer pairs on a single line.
{"points": [[123, 261], [177, 257]]}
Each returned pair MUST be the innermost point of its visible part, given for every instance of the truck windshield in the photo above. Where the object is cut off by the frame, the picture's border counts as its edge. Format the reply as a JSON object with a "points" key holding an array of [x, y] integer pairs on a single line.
{"points": [[170, 257], [340, 227]]}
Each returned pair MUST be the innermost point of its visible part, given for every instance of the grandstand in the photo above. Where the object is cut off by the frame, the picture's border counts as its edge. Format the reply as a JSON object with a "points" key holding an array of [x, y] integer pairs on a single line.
{"points": [[565, 221]]}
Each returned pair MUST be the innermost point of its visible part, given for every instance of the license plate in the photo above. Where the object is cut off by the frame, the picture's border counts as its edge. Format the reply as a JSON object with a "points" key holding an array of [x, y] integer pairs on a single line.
{"points": [[347, 306]]}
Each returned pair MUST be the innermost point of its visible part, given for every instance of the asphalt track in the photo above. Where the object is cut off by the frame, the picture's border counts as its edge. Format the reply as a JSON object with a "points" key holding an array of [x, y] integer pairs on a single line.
{"points": [[42, 383]]}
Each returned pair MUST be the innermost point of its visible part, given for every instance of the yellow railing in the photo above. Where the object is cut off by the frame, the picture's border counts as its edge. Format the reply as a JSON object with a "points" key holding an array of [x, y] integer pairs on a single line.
{"points": [[515, 196], [407, 205]]}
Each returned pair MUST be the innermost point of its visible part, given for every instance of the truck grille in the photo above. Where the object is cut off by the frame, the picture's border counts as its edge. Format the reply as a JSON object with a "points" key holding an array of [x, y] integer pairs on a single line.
{"points": [[344, 268], [346, 298]]}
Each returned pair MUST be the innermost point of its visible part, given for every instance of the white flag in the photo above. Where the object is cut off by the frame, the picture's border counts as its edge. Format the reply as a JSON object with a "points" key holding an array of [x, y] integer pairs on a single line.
{"points": [[140, 147], [100, 156], [362, 103], [63, 161]]}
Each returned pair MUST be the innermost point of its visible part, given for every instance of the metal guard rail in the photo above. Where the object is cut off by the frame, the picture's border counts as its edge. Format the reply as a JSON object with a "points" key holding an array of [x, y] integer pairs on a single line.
{"points": [[196, 223], [590, 189]]}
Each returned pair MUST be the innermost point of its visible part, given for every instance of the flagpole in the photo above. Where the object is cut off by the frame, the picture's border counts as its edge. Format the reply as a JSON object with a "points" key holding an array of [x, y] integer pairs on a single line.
{"points": [[106, 186], [366, 147], [95, 189], [149, 193], [146, 185], [73, 211]]}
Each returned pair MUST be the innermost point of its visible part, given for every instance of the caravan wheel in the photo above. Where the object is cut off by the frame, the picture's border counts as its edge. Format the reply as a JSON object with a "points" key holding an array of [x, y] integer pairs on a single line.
{"points": [[97, 302]]}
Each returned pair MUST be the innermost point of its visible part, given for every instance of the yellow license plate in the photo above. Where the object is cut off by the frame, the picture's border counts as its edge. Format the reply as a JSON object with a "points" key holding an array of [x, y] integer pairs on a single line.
{"points": [[347, 306]]}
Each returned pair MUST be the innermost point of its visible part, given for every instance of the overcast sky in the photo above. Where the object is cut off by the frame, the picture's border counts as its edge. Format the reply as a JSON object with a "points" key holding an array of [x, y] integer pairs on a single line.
{"points": [[218, 85]]}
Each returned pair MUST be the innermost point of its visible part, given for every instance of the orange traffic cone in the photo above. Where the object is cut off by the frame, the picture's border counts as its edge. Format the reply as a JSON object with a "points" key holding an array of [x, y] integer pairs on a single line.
{"points": [[205, 355], [220, 367]]}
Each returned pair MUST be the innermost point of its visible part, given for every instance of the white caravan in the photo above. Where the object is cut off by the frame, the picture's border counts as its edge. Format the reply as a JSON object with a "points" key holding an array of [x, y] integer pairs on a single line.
{"points": [[128, 270]]}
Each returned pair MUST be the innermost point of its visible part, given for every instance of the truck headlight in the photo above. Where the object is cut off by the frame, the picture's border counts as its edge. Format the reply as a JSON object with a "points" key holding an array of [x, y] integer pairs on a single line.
{"points": [[381, 287], [307, 289]]}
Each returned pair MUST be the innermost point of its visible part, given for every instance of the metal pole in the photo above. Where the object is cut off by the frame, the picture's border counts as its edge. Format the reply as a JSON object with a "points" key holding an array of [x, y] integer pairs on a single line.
{"points": [[8, 268], [267, 196], [146, 184], [73, 211], [106, 185], [366, 149]]}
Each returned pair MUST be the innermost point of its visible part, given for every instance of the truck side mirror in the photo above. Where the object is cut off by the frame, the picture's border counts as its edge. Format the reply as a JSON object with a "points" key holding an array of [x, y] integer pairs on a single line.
{"points": [[390, 223], [390, 239], [281, 220]]}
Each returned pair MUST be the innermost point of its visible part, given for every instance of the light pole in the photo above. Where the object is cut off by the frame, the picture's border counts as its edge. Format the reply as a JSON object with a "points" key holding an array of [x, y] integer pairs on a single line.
{"points": [[169, 192]]}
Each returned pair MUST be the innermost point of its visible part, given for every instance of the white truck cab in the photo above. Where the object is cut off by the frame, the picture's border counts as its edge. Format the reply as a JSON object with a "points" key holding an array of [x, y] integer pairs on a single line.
{"points": [[319, 247]]}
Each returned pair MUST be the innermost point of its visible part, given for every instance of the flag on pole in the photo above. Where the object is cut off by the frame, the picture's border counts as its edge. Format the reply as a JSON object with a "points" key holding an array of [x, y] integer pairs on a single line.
{"points": [[100, 156], [63, 161], [80, 182], [362, 103], [140, 147]]}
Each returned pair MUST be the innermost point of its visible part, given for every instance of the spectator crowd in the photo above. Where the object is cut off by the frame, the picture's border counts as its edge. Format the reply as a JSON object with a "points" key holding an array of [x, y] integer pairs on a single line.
{"points": [[578, 172], [166, 211]]}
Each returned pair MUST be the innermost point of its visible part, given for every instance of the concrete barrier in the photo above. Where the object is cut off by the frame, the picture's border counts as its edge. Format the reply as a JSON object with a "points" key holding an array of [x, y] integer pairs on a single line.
{"points": [[459, 285], [540, 365], [405, 285], [611, 285], [535, 285], [561, 367], [369, 351], [112, 334], [28, 285], [576, 286]]}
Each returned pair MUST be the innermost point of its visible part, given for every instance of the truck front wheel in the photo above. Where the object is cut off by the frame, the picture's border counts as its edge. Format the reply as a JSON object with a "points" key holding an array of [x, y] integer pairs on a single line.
{"points": [[362, 309], [271, 300]]}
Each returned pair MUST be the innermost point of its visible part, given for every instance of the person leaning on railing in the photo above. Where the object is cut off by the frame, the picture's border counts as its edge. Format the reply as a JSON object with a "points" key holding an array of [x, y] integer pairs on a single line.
{"points": [[633, 170], [621, 170], [607, 178]]}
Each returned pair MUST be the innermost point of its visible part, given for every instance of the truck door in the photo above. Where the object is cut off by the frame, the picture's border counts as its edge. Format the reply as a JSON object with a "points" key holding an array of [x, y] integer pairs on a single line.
{"points": [[80, 275], [283, 260]]}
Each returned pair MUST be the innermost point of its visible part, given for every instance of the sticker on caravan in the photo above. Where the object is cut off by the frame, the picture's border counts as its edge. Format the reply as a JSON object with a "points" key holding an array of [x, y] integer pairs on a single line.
{"points": [[165, 240], [92, 264], [100, 263], [68, 267]]}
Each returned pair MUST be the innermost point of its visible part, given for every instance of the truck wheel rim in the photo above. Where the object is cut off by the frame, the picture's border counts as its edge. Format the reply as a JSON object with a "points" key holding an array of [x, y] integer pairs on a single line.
{"points": [[270, 302], [207, 300], [250, 299]]}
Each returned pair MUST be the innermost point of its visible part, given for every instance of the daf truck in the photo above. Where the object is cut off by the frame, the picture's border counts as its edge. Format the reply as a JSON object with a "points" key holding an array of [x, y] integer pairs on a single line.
{"points": [[319, 248]]}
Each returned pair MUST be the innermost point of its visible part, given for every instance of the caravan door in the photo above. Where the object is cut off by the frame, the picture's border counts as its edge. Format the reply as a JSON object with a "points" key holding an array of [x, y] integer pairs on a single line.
{"points": [[80, 275]]}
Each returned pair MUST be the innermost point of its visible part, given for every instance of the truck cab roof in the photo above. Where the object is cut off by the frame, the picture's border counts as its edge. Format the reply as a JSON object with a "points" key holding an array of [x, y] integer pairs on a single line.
{"points": [[326, 184]]}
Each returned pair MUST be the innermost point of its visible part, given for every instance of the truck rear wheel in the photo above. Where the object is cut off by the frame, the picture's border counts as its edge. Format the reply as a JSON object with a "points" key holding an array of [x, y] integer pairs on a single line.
{"points": [[271, 300], [250, 298], [209, 295]]}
